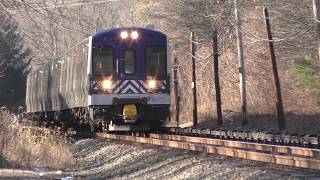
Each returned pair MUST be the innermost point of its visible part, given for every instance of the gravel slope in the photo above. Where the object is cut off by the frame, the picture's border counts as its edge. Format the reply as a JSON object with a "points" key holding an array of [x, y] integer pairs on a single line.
{"points": [[132, 161], [98, 159]]}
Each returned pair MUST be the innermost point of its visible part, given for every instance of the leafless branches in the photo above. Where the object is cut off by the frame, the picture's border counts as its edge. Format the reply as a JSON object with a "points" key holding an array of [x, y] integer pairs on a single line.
{"points": [[52, 26]]}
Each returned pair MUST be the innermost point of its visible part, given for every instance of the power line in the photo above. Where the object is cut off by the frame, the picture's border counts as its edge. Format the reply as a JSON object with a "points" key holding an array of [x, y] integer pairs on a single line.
{"points": [[62, 5], [255, 37], [291, 10], [62, 54], [283, 39]]}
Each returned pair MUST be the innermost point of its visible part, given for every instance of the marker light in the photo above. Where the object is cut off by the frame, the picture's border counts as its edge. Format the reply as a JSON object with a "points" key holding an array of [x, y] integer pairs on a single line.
{"points": [[124, 34], [152, 84], [106, 84], [134, 35]]}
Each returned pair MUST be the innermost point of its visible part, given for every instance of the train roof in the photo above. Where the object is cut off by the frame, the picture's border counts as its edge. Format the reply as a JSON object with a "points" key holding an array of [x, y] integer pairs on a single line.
{"points": [[115, 30]]}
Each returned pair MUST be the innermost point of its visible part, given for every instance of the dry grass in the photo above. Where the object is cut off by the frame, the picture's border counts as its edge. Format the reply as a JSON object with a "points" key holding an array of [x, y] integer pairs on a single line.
{"points": [[25, 149]]}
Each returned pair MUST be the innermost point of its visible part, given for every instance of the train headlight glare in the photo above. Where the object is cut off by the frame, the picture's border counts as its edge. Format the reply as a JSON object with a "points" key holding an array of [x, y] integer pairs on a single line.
{"points": [[152, 84], [124, 34], [106, 84], [134, 35]]}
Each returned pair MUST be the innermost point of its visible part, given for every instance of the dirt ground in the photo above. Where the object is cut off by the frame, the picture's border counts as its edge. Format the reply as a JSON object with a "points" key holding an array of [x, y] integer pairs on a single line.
{"points": [[99, 159]]}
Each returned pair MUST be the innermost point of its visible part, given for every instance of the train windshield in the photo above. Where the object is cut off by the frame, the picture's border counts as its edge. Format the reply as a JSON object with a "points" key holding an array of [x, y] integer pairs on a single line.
{"points": [[156, 61], [102, 59]]}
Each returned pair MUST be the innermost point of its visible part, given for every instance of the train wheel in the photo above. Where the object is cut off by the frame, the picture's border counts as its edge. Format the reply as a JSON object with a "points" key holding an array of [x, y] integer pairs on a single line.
{"points": [[105, 126], [92, 126], [63, 125]]}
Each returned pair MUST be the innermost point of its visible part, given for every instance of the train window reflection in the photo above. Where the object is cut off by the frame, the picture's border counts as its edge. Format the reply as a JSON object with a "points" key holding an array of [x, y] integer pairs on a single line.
{"points": [[102, 59], [129, 61], [156, 61]]}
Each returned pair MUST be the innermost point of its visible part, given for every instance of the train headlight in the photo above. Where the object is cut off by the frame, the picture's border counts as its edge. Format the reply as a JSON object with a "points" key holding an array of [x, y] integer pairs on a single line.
{"points": [[124, 34], [152, 84], [134, 35], [106, 84]]}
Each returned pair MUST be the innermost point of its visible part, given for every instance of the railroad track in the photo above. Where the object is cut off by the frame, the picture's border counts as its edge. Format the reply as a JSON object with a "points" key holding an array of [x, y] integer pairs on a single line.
{"points": [[300, 157], [275, 154]]}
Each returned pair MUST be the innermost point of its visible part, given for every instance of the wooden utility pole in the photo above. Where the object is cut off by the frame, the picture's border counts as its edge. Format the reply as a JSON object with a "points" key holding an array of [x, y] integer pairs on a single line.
{"points": [[194, 84], [316, 12], [216, 76], [243, 90], [276, 81], [176, 95]]}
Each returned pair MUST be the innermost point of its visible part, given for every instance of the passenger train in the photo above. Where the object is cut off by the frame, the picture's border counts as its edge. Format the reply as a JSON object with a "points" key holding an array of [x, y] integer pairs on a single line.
{"points": [[115, 80]]}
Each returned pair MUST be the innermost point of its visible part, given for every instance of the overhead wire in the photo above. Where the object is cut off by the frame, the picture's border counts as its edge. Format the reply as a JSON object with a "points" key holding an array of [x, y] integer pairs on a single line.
{"points": [[36, 23], [27, 6], [63, 5], [64, 53], [251, 36], [255, 37]]}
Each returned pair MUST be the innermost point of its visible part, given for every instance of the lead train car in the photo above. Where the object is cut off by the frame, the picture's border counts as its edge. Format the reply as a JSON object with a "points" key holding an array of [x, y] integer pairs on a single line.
{"points": [[116, 80]]}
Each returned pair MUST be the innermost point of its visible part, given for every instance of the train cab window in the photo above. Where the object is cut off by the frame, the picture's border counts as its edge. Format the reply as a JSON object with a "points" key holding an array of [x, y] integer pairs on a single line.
{"points": [[129, 61], [102, 59], [156, 61]]}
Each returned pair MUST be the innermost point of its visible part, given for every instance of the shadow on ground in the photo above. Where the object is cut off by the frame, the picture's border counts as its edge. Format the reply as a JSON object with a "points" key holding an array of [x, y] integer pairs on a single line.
{"points": [[3, 162], [302, 124]]}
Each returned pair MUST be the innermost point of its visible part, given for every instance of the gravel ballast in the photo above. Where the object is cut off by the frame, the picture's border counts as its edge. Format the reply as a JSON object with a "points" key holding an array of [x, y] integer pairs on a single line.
{"points": [[100, 159], [111, 159]]}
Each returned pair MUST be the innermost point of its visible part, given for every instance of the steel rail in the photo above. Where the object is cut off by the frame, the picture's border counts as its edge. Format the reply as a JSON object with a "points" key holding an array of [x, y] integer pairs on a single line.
{"points": [[268, 148]]}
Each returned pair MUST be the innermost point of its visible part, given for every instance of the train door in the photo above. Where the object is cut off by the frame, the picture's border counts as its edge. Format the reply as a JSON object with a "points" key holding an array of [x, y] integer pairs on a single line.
{"points": [[128, 62], [130, 69]]}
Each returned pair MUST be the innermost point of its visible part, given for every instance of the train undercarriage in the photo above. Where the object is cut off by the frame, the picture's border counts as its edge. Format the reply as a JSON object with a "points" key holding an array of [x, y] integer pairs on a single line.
{"points": [[121, 117]]}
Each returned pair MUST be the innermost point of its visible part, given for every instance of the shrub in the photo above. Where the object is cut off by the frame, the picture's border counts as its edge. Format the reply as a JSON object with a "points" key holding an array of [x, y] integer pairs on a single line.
{"points": [[307, 73]]}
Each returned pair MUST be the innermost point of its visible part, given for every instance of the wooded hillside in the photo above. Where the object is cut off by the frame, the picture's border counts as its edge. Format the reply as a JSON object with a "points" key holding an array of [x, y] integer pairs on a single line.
{"points": [[52, 26]]}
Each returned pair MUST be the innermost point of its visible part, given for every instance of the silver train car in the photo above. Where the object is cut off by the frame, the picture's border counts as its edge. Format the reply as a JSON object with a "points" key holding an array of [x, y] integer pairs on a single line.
{"points": [[115, 80]]}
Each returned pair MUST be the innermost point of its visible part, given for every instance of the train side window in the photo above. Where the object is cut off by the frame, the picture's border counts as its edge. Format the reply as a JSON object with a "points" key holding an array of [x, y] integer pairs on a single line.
{"points": [[156, 61], [129, 61], [102, 60]]}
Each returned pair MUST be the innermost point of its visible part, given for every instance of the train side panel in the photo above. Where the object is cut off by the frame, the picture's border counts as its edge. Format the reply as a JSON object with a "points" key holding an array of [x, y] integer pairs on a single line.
{"points": [[60, 84]]}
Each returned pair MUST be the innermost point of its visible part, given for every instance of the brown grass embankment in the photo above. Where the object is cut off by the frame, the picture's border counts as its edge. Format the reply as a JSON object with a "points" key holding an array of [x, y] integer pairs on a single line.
{"points": [[23, 148]]}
